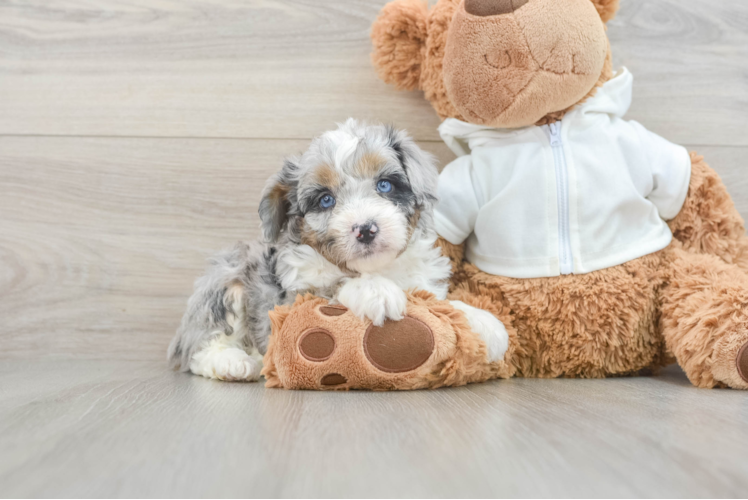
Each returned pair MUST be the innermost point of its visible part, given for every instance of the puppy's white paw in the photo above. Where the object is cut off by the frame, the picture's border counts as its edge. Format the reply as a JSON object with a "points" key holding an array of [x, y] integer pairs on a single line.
{"points": [[486, 325], [226, 363], [373, 297]]}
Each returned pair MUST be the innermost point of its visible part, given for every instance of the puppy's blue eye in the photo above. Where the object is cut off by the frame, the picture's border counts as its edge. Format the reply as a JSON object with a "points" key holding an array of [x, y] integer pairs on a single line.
{"points": [[384, 186], [327, 201]]}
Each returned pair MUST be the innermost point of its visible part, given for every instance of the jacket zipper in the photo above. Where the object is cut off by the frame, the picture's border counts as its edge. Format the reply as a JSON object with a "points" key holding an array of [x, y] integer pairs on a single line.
{"points": [[565, 257]]}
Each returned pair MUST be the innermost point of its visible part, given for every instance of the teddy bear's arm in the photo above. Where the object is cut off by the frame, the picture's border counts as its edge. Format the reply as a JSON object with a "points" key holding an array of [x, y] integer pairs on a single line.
{"points": [[709, 223]]}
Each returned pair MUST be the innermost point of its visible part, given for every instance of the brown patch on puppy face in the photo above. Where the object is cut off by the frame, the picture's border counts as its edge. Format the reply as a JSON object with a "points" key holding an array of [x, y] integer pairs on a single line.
{"points": [[314, 240], [324, 245], [413, 221], [369, 165], [327, 176]]}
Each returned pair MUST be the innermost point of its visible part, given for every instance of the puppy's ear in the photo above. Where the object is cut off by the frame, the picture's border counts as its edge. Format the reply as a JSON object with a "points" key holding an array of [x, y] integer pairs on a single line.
{"points": [[399, 37], [420, 167], [606, 8], [277, 201]]}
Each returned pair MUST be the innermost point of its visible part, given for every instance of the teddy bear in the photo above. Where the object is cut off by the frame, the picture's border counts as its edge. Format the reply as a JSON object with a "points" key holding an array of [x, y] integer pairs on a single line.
{"points": [[604, 249]]}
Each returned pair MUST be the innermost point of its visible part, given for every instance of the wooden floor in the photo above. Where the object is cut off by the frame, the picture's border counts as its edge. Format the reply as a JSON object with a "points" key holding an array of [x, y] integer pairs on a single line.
{"points": [[135, 137], [131, 429]]}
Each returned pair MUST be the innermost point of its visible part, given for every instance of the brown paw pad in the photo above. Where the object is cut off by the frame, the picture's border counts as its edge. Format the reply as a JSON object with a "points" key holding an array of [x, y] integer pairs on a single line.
{"points": [[333, 310], [317, 345], [333, 379], [742, 362], [399, 346]]}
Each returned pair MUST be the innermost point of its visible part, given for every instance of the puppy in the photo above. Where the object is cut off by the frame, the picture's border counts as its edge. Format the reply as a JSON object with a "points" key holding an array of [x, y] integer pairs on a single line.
{"points": [[350, 220]]}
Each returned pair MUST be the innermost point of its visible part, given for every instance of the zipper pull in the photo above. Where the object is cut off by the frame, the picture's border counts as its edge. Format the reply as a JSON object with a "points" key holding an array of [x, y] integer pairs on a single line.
{"points": [[555, 130]]}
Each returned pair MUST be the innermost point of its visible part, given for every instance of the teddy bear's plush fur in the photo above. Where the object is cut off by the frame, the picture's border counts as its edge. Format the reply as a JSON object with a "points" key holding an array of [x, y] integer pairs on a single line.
{"points": [[687, 303]]}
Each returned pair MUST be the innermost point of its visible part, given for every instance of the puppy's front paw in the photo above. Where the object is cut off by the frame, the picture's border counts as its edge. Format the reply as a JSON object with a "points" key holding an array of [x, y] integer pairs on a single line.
{"points": [[373, 297], [488, 326], [226, 363]]}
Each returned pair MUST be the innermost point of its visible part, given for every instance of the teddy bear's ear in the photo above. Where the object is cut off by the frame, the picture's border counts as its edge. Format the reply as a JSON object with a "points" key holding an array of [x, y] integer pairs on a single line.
{"points": [[606, 8], [399, 37]]}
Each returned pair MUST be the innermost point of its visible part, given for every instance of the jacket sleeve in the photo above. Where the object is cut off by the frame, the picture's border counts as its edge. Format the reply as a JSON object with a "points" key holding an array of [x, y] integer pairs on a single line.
{"points": [[670, 169], [458, 206]]}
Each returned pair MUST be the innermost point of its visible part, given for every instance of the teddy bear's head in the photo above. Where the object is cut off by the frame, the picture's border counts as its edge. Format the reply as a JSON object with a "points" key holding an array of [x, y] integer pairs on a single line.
{"points": [[501, 63]]}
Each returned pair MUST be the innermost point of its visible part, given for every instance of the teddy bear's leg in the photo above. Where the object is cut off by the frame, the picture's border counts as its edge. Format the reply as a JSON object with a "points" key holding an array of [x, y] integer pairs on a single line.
{"points": [[708, 222], [705, 319]]}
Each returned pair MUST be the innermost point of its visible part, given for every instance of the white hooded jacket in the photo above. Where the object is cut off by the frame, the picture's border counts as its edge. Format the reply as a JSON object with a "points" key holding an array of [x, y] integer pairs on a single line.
{"points": [[587, 193]]}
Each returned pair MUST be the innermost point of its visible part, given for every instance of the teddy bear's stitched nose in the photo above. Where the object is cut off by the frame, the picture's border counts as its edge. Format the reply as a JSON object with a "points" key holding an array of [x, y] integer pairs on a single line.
{"points": [[492, 7]]}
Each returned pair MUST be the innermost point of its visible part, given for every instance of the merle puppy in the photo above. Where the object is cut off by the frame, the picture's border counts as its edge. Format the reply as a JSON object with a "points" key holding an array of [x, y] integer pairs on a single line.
{"points": [[350, 220]]}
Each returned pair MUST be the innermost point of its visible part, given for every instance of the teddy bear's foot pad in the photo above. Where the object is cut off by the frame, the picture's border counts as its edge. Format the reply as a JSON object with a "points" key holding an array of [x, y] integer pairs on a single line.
{"points": [[742, 362], [399, 346], [317, 345], [333, 379]]}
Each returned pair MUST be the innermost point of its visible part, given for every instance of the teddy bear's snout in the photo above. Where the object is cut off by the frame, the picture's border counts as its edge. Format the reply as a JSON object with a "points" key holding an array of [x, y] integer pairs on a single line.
{"points": [[485, 8]]}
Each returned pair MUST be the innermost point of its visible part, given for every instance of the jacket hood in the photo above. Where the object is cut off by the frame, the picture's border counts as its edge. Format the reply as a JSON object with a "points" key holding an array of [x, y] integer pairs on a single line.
{"points": [[613, 98]]}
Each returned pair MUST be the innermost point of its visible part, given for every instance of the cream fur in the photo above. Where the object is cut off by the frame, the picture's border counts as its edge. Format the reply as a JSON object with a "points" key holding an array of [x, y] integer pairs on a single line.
{"points": [[224, 358]]}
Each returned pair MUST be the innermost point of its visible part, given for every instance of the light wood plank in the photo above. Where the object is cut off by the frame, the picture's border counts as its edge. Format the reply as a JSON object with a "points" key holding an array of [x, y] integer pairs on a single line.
{"points": [[101, 239], [290, 69], [688, 59], [132, 429]]}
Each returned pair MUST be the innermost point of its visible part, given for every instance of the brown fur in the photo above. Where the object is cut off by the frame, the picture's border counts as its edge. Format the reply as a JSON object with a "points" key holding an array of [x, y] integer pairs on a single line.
{"points": [[327, 176], [322, 246], [413, 224], [705, 318], [708, 222], [279, 193], [369, 165], [399, 37], [432, 75], [455, 254], [593, 325]]}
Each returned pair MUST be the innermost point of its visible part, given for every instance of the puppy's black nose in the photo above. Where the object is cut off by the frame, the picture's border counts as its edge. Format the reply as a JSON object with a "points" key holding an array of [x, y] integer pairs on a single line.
{"points": [[492, 7], [366, 233]]}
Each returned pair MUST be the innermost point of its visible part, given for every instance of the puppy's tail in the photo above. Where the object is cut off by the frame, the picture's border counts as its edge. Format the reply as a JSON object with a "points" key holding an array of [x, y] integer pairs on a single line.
{"points": [[222, 303]]}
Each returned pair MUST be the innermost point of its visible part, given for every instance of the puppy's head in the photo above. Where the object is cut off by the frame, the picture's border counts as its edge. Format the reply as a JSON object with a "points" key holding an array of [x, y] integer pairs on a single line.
{"points": [[357, 196]]}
